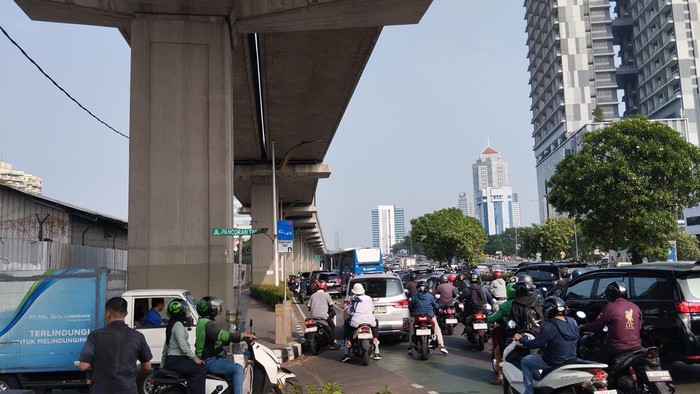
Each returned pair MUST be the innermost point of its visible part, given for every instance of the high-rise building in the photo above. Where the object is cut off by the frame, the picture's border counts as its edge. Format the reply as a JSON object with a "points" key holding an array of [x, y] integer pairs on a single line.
{"points": [[19, 179], [493, 197], [388, 227], [465, 205]]}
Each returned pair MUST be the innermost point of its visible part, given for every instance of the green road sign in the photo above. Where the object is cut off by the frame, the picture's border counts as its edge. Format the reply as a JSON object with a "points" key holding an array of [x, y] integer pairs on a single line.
{"points": [[237, 231]]}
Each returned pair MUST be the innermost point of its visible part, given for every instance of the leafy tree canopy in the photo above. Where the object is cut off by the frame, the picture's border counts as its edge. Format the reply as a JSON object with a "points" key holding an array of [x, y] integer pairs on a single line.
{"points": [[549, 239], [627, 185], [447, 233], [687, 246]]}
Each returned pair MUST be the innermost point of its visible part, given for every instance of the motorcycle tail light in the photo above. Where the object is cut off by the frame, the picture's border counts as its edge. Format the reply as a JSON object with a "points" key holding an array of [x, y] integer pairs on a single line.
{"points": [[599, 375], [310, 323], [345, 304], [653, 353], [479, 316], [423, 319], [400, 304], [365, 329], [449, 311]]}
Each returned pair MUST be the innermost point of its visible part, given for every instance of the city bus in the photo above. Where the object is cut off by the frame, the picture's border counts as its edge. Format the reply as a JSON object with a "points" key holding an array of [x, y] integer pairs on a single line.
{"points": [[356, 261]]}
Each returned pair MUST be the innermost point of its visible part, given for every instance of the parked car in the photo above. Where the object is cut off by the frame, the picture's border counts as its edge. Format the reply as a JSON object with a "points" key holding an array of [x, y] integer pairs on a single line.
{"points": [[390, 302], [332, 279], [547, 274], [667, 293]]}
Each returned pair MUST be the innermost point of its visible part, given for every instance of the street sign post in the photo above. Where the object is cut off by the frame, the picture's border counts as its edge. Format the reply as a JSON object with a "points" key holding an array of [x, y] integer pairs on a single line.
{"points": [[285, 236], [235, 232]]}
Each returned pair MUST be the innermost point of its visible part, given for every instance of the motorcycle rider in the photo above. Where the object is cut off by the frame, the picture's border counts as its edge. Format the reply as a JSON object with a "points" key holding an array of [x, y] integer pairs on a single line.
{"points": [[177, 354], [360, 310], [321, 307], [460, 284], [565, 278], [411, 284], [424, 304], [557, 338], [539, 296], [500, 332], [474, 299], [624, 321], [210, 342], [525, 310], [498, 289], [447, 292]]}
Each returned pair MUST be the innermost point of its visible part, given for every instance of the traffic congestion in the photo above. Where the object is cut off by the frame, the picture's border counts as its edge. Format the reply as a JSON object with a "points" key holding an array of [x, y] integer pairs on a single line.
{"points": [[555, 326]]}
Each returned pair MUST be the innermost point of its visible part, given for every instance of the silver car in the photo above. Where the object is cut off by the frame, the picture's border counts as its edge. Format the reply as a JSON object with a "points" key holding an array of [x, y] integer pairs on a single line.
{"points": [[390, 302]]}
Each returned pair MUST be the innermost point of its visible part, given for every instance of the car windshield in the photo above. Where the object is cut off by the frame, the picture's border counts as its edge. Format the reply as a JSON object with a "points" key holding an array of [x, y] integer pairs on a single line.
{"points": [[381, 287]]}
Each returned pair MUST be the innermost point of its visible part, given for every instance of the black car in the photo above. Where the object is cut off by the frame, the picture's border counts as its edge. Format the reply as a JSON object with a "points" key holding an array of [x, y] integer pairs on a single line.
{"points": [[547, 274], [667, 293], [332, 279]]}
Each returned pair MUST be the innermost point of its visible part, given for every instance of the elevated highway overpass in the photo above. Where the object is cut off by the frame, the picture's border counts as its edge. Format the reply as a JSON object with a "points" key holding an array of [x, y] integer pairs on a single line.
{"points": [[213, 83]]}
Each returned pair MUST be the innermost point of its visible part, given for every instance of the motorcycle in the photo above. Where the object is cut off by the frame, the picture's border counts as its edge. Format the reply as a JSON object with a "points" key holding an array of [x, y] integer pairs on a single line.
{"points": [[423, 340], [447, 319], [263, 373], [634, 372], [362, 343], [577, 376], [317, 334], [476, 329]]}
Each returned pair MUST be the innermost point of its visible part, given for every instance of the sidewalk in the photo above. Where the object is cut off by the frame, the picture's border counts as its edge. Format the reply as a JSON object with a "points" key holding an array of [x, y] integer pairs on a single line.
{"points": [[264, 326]]}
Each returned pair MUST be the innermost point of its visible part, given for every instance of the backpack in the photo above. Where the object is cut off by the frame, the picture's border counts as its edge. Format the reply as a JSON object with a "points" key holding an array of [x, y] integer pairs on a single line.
{"points": [[527, 317], [478, 299]]}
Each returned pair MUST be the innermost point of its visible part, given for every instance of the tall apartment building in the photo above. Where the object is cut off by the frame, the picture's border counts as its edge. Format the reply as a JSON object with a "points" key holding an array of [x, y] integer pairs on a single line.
{"points": [[493, 197], [19, 179], [465, 205], [388, 227], [572, 71]]}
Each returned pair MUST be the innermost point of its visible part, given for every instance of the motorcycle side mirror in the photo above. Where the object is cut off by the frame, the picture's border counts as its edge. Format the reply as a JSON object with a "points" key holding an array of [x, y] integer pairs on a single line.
{"points": [[544, 289], [580, 314], [605, 329], [487, 307], [405, 291], [437, 296], [511, 324]]}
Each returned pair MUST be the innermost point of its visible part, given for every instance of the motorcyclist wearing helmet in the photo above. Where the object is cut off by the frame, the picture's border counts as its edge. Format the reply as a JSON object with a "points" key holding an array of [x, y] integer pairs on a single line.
{"points": [[475, 296], [451, 278], [411, 284], [498, 289], [526, 311], [321, 307], [565, 278], [177, 353], [500, 333], [624, 321], [539, 296], [557, 338], [460, 283], [424, 304], [447, 292], [210, 342]]}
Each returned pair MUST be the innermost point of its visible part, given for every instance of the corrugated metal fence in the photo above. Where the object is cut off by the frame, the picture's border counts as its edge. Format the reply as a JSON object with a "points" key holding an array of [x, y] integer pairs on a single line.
{"points": [[18, 254]]}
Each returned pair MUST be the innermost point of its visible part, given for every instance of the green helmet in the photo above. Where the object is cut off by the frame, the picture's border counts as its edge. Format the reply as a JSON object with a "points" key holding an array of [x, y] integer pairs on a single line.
{"points": [[510, 291], [177, 308], [209, 306]]}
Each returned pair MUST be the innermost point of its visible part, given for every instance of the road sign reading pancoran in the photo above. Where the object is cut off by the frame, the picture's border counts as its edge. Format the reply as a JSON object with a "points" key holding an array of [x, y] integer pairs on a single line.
{"points": [[237, 231]]}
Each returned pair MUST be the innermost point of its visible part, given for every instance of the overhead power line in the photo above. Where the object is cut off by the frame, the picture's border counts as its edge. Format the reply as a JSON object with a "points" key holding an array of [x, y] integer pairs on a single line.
{"points": [[59, 86]]}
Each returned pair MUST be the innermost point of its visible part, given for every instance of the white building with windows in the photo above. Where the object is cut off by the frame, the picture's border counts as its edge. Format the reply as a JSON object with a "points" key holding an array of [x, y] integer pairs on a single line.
{"points": [[495, 208], [465, 205], [388, 227], [19, 179]]}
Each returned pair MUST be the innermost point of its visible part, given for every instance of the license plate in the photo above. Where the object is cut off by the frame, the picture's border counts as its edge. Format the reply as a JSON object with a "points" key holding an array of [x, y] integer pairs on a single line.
{"points": [[379, 309], [659, 376], [480, 326], [451, 321], [364, 336], [311, 329], [606, 392], [424, 331]]}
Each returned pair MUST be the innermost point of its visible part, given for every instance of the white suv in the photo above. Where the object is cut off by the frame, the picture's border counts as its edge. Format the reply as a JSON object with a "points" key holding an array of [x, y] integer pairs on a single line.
{"points": [[390, 302]]}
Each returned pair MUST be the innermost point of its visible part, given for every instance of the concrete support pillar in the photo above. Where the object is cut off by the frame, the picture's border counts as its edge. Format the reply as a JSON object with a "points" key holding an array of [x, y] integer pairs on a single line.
{"points": [[181, 154], [261, 213]]}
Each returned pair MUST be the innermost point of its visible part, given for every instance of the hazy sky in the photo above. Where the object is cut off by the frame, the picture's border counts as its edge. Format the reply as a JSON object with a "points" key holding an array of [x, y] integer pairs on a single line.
{"points": [[430, 97]]}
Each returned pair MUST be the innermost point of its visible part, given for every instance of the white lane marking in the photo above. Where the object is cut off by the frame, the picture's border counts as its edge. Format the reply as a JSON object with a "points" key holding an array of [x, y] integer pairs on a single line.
{"points": [[418, 386]]}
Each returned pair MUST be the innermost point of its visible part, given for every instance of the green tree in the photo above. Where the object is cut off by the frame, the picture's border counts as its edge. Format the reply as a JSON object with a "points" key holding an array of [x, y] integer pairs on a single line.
{"points": [[447, 233], [504, 242], [598, 115], [549, 239], [687, 246], [627, 184]]}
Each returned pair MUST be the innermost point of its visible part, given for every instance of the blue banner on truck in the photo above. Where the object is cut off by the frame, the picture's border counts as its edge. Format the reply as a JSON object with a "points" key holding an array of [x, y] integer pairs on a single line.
{"points": [[45, 318]]}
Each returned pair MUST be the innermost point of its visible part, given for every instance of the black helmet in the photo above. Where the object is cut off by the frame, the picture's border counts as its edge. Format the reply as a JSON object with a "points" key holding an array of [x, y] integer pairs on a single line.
{"points": [[474, 278], [525, 278], [412, 276], [575, 273], [523, 289], [209, 306], [553, 306], [422, 287], [460, 277], [615, 290], [444, 279], [177, 309]]}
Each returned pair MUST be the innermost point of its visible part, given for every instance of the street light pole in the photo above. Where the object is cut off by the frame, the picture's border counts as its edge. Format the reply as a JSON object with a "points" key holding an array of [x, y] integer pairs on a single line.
{"points": [[274, 214]]}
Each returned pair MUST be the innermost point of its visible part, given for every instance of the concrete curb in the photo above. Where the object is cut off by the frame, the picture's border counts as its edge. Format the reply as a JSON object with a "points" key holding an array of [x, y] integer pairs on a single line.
{"points": [[289, 352]]}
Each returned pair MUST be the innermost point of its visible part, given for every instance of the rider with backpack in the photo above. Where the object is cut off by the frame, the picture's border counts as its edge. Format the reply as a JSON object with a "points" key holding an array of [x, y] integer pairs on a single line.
{"points": [[474, 298], [526, 311]]}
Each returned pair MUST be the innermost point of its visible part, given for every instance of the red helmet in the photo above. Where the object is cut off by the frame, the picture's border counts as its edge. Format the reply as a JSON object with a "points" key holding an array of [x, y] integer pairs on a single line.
{"points": [[321, 285], [452, 277], [497, 275]]}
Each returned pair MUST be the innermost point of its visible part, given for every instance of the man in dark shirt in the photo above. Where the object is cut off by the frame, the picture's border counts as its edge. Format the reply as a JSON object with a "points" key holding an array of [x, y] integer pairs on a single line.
{"points": [[411, 285], [112, 352], [558, 338], [624, 321]]}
